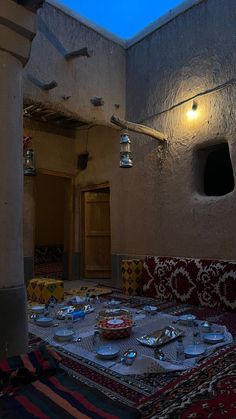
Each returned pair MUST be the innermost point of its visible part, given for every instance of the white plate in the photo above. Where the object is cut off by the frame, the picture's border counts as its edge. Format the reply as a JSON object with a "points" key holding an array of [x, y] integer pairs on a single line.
{"points": [[151, 309], [64, 334], [38, 309], [213, 337], [107, 351], [194, 350], [115, 321], [44, 321]]}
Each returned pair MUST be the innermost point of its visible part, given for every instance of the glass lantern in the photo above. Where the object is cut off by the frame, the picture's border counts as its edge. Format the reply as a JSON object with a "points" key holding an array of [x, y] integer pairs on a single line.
{"points": [[126, 160], [29, 163]]}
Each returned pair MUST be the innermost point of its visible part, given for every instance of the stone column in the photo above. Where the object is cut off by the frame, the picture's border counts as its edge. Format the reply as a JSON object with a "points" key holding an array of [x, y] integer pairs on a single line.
{"points": [[29, 227], [17, 29]]}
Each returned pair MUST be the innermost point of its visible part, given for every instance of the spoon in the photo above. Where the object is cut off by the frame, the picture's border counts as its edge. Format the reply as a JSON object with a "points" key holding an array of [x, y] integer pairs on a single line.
{"points": [[128, 357], [159, 354]]}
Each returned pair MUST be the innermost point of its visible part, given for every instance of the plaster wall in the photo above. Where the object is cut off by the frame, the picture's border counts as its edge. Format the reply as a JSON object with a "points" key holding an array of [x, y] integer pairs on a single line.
{"points": [[81, 78], [50, 210], [103, 167], [170, 215], [55, 152]]}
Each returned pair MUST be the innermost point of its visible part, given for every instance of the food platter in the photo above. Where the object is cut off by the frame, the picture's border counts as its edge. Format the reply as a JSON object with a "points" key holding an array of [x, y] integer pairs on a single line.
{"points": [[160, 337]]}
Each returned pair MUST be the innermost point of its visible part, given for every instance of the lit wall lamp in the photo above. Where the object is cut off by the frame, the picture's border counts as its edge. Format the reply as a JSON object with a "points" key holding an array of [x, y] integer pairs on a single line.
{"points": [[193, 112], [126, 160]]}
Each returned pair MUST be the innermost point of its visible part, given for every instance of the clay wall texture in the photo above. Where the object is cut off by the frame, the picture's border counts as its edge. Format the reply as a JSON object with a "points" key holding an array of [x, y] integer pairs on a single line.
{"points": [[193, 53], [158, 207], [81, 78]]}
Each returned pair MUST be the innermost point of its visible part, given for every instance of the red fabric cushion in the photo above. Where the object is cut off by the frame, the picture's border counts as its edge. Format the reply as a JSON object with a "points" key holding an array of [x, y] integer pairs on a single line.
{"points": [[209, 283]]}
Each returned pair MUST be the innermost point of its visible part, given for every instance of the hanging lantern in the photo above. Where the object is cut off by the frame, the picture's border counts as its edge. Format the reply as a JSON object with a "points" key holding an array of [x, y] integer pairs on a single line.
{"points": [[125, 152], [29, 163]]}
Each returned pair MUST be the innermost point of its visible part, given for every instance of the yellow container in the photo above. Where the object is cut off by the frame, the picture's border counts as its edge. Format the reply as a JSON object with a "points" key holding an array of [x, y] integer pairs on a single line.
{"points": [[132, 276], [45, 290]]}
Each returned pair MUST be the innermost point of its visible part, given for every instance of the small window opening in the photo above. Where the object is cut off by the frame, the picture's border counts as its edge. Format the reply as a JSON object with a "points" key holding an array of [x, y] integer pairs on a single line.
{"points": [[218, 171]]}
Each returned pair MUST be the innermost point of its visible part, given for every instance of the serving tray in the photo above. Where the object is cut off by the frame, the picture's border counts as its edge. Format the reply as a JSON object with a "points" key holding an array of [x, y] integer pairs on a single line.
{"points": [[160, 337]]}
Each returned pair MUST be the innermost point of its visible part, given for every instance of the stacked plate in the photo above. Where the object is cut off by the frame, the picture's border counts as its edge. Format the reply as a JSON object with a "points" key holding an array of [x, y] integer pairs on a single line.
{"points": [[194, 350], [213, 338], [107, 351], [38, 309], [64, 335], [44, 321], [187, 319]]}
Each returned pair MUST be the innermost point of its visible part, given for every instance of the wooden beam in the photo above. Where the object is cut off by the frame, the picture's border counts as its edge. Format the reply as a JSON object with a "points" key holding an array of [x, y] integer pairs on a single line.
{"points": [[141, 129], [82, 52]]}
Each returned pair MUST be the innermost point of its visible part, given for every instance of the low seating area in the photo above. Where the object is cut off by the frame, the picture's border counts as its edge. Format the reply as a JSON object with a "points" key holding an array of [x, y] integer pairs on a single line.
{"points": [[201, 282], [76, 375], [67, 379]]}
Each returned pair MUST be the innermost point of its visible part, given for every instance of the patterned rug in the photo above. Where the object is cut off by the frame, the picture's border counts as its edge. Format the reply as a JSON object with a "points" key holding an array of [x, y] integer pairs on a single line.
{"points": [[205, 392], [89, 291]]}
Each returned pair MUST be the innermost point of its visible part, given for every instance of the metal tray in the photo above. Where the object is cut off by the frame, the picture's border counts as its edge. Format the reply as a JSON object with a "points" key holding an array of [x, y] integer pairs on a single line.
{"points": [[160, 337]]}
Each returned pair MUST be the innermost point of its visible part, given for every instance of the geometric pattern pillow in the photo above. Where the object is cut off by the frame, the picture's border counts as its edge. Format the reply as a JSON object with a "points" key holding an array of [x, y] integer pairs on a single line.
{"points": [[132, 276]]}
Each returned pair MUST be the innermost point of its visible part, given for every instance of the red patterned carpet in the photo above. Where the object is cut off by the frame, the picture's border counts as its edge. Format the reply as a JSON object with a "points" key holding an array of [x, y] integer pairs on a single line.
{"points": [[206, 392]]}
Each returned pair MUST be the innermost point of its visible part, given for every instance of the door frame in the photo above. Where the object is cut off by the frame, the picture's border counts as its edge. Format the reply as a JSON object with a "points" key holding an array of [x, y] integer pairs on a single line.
{"points": [[89, 188], [71, 240]]}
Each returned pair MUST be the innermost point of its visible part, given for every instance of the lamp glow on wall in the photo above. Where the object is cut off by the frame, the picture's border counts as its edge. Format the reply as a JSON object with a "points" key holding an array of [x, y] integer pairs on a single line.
{"points": [[193, 113], [126, 160]]}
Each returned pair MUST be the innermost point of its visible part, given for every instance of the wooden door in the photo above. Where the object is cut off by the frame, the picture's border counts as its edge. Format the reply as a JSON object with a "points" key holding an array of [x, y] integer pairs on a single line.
{"points": [[97, 236]]}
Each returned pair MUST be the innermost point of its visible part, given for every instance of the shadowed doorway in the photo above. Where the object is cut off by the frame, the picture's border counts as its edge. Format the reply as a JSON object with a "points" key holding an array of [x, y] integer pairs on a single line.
{"points": [[53, 219]]}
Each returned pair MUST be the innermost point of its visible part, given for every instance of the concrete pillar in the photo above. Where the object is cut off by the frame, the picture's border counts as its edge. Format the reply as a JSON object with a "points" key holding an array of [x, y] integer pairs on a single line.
{"points": [[29, 227], [17, 29]]}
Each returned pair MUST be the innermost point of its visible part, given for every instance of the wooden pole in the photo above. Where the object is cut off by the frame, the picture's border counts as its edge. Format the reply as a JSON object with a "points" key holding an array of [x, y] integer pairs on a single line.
{"points": [[142, 129]]}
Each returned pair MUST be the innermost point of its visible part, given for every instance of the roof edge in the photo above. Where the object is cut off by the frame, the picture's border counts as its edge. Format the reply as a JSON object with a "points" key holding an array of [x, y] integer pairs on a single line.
{"points": [[157, 24], [163, 20], [87, 22]]}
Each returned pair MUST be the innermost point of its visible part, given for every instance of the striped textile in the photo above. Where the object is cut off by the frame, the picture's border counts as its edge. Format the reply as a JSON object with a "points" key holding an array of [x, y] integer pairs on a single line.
{"points": [[41, 360], [61, 397]]}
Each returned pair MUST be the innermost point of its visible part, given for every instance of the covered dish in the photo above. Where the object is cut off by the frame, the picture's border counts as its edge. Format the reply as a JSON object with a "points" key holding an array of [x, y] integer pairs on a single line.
{"points": [[115, 328], [111, 313]]}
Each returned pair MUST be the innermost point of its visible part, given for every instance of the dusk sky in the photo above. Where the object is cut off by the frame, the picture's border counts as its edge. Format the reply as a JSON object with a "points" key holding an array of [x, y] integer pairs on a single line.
{"points": [[124, 18]]}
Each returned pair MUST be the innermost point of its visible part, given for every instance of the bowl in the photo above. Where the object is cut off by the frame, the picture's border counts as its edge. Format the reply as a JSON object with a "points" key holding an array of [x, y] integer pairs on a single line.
{"points": [[44, 321], [194, 350], [38, 309], [107, 351], [213, 338], [64, 335], [115, 328]]}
